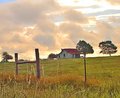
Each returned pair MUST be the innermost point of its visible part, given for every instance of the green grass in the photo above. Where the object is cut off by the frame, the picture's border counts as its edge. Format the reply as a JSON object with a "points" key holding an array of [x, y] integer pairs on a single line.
{"points": [[104, 69]]}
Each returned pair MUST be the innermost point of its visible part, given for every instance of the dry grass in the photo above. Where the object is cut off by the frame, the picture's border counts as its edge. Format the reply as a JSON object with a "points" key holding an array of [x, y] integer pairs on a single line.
{"points": [[65, 81], [53, 80]]}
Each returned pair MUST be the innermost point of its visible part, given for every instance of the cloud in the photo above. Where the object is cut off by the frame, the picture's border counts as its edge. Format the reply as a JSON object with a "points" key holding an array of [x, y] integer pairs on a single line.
{"points": [[33, 12], [105, 12], [115, 22], [29, 24], [114, 19], [72, 29], [114, 2], [75, 16], [45, 40], [18, 15], [75, 33], [105, 30], [84, 7]]}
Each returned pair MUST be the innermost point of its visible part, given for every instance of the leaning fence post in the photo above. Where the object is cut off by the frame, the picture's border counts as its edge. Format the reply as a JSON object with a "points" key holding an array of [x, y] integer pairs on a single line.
{"points": [[16, 60], [37, 63]]}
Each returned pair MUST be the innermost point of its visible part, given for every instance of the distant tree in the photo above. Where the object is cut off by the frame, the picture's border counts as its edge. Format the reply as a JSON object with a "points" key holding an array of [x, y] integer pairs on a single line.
{"points": [[84, 48], [52, 56], [107, 47], [6, 57]]}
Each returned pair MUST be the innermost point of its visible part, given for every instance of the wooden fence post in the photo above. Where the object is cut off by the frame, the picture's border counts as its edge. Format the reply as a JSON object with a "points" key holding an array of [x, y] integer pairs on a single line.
{"points": [[37, 63], [16, 60], [24, 62], [85, 75]]}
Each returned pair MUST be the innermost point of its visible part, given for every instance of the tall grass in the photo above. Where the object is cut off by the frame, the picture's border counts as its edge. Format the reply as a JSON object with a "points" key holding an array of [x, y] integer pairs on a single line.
{"points": [[62, 79], [64, 86]]}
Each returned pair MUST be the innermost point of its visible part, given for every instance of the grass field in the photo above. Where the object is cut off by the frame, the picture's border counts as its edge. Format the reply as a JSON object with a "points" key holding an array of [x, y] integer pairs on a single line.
{"points": [[63, 79]]}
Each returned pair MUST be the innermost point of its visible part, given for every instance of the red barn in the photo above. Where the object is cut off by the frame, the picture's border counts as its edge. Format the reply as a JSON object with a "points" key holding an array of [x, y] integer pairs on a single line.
{"points": [[69, 53]]}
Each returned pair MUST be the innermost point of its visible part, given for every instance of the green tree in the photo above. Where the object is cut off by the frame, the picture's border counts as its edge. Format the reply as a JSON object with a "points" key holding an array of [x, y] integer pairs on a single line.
{"points": [[107, 47], [52, 56], [6, 57], [84, 48]]}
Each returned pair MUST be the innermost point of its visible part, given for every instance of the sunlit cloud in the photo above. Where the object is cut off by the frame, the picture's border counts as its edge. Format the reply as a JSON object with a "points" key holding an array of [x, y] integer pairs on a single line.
{"points": [[114, 2], [54, 24]]}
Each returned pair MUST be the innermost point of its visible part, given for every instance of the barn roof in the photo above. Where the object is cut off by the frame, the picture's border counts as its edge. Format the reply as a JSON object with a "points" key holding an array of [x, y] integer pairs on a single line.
{"points": [[71, 51]]}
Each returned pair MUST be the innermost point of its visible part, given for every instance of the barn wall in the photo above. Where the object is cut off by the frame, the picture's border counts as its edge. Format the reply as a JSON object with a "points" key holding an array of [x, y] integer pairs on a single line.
{"points": [[64, 54]]}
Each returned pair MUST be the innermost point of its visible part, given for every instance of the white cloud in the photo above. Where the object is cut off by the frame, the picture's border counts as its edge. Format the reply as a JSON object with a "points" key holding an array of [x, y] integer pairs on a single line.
{"points": [[114, 2], [17, 17]]}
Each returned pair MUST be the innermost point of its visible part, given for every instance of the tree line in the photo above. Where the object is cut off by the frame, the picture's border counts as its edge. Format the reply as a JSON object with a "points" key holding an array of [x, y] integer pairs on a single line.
{"points": [[107, 47]]}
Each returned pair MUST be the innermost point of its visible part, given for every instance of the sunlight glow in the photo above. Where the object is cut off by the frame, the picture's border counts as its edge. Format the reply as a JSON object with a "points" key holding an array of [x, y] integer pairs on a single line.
{"points": [[87, 6], [77, 3]]}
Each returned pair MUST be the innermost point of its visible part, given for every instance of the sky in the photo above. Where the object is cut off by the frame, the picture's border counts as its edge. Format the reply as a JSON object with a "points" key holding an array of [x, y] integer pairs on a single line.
{"points": [[52, 25], [3, 1]]}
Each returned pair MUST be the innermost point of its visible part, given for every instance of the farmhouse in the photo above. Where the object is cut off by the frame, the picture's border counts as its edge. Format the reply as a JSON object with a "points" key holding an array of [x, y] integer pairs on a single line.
{"points": [[68, 53]]}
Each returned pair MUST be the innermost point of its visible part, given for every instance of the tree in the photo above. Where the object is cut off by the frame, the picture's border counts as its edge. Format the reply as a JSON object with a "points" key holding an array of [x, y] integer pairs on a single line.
{"points": [[84, 48], [52, 56], [107, 47], [6, 57]]}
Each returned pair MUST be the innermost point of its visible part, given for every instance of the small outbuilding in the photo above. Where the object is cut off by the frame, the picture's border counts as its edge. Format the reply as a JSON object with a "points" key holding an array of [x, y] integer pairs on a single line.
{"points": [[69, 53]]}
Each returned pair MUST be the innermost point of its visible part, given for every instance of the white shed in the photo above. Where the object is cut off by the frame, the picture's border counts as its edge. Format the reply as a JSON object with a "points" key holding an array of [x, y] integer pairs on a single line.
{"points": [[68, 53]]}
